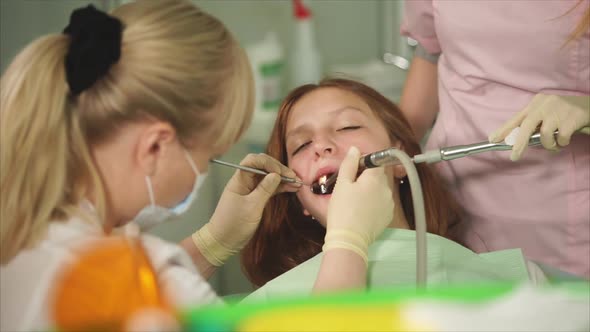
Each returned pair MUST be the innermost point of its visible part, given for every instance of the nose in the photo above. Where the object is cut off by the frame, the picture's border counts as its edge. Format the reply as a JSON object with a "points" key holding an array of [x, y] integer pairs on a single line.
{"points": [[324, 146]]}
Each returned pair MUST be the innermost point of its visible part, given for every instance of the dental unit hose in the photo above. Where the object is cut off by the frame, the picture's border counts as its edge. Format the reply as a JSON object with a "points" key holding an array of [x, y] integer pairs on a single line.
{"points": [[418, 202]]}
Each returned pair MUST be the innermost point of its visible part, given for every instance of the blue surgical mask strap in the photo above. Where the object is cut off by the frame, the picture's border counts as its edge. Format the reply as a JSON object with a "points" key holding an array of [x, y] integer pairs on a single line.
{"points": [[153, 214], [148, 181]]}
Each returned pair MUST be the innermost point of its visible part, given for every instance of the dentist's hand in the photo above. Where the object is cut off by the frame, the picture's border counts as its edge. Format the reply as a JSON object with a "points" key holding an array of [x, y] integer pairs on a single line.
{"points": [[360, 208], [240, 207], [564, 113]]}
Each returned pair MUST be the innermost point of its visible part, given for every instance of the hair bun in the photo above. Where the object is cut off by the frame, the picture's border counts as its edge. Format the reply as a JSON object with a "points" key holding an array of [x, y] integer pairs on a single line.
{"points": [[95, 46]]}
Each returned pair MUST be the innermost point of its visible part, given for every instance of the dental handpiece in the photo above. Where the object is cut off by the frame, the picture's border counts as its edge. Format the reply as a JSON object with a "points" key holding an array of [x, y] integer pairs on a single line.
{"points": [[325, 185], [460, 151]]}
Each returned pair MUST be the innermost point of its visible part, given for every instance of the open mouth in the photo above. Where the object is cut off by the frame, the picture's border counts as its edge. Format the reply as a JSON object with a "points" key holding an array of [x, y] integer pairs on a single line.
{"points": [[324, 185]]}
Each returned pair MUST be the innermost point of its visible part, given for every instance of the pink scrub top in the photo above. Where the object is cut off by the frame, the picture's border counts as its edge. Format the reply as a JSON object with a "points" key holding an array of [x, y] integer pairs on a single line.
{"points": [[495, 56]]}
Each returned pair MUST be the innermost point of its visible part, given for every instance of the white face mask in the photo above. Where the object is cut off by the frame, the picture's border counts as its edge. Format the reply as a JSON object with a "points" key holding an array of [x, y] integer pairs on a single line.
{"points": [[153, 214]]}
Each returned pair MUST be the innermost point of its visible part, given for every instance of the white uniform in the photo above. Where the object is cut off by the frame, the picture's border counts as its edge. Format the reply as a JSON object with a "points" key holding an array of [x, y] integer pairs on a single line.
{"points": [[27, 280]]}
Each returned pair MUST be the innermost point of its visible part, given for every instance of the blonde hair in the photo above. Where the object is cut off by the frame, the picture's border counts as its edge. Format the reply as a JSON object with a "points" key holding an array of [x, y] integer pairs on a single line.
{"points": [[178, 64]]}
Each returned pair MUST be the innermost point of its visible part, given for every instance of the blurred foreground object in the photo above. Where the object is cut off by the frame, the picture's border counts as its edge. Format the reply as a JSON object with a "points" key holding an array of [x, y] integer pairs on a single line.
{"points": [[492, 307], [112, 283]]}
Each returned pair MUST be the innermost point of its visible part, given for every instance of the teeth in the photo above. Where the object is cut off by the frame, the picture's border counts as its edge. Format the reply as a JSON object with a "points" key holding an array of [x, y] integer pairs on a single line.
{"points": [[322, 180]]}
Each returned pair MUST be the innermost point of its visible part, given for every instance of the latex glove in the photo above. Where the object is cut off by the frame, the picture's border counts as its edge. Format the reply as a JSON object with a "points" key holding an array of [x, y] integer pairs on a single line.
{"points": [[564, 113], [360, 208], [240, 207]]}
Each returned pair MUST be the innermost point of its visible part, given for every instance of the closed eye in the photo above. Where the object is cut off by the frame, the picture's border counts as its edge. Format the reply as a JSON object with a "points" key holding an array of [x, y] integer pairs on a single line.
{"points": [[349, 128], [301, 147]]}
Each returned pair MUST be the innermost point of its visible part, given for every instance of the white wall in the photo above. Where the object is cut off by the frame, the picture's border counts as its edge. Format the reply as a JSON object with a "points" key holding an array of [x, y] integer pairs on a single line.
{"points": [[23, 20]]}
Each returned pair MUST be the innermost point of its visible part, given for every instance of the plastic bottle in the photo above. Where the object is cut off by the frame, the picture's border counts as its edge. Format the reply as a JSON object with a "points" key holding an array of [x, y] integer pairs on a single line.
{"points": [[267, 60], [305, 61]]}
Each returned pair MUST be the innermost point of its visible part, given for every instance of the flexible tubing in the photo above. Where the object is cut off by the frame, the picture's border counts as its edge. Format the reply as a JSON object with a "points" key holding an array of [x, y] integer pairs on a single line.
{"points": [[419, 214]]}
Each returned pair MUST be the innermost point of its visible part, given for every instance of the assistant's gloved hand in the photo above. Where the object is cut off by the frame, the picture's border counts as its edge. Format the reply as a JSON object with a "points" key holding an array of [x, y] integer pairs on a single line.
{"points": [[360, 208], [240, 207], [564, 113]]}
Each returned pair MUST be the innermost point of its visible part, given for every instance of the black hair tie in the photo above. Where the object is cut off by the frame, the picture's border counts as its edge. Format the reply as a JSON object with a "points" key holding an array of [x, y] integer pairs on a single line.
{"points": [[95, 46]]}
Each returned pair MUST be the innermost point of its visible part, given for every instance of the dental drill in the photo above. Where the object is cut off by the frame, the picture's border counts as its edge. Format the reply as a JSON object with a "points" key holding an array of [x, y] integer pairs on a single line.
{"points": [[325, 184]]}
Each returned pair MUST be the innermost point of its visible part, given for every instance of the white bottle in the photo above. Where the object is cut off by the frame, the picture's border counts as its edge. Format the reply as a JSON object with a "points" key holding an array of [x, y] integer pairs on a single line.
{"points": [[267, 61], [305, 61]]}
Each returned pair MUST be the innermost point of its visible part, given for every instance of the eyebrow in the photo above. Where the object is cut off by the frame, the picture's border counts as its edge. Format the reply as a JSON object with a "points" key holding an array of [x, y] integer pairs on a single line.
{"points": [[336, 111]]}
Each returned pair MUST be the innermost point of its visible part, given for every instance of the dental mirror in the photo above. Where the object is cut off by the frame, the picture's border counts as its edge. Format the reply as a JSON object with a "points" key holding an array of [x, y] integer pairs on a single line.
{"points": [[324, 184]]}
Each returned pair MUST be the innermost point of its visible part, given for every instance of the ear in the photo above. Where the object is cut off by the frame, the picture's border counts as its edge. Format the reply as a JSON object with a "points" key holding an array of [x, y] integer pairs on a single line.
{"points": [[155, 139]]}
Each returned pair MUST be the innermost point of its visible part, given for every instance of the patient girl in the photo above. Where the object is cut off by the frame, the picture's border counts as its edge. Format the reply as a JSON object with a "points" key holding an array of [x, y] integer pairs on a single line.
{"points": [[314, 129]]}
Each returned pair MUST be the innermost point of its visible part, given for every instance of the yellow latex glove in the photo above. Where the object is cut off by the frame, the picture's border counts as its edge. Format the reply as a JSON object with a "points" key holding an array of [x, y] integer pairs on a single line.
{"points": [[567, 114], [360, 208], [240, 207]]}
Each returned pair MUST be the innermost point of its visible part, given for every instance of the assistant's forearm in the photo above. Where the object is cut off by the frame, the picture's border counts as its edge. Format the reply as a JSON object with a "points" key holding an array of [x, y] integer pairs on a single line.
{"points": [[419, 100]]}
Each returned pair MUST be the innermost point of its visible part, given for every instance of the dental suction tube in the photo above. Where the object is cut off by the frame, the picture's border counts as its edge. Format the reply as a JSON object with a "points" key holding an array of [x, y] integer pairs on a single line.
{"points": [[460, 151]]}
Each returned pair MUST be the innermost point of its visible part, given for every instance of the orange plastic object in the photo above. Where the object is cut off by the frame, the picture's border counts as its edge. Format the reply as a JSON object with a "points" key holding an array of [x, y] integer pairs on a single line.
{"points": [[110, 282]]}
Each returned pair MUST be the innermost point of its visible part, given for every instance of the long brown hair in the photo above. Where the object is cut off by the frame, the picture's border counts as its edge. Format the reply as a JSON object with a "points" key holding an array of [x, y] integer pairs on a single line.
{"points": [[286, 237]]}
